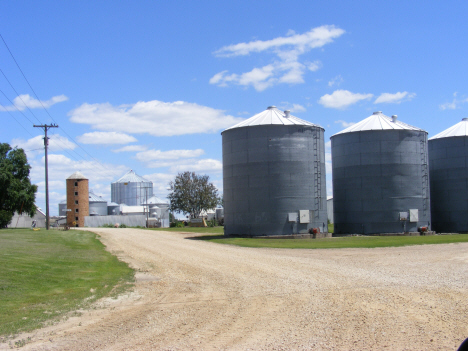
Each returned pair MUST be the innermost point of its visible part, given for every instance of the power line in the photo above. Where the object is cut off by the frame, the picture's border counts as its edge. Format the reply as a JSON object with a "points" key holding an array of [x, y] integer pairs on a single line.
{"points": [[11, 85], [37, 97], [16, 120]]}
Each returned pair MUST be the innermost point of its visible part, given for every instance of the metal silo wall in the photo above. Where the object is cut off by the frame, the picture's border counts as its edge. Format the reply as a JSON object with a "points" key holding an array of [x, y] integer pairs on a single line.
{"points": [[62, 209], [377, 175], [98, 208], [270, 171], [132, 194], [449, 188]]}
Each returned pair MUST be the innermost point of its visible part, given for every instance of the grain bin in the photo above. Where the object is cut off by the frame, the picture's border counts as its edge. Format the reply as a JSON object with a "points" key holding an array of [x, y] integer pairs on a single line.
{"points": [[274, 176], [97, 205], [448, 170], [380, 177], [131, 189], [62, 208]]}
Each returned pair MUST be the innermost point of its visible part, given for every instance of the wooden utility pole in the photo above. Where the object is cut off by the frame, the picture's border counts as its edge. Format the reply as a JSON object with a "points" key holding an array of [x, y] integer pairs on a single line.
{"points": [[46, 144]]}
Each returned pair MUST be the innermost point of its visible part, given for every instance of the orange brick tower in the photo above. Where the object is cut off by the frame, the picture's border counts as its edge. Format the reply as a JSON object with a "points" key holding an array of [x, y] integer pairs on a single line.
{"points": [[77, 199]]}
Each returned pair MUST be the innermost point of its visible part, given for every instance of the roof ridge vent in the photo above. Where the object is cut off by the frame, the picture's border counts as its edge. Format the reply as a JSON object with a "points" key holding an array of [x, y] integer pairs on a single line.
{"points": [[377, 113], [271, 107], [287, 113], [465, 119], [394, 118]]}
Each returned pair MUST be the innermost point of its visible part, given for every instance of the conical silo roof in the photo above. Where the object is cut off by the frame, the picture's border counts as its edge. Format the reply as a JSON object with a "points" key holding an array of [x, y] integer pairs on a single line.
{"points": [[459, 129], [132, 177], [95, 198], [378, 121], [273, 116], [77, 175], [154, 200]]}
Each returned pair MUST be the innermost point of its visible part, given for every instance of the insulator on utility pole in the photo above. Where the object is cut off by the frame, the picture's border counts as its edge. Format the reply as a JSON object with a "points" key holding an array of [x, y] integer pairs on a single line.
{"points": [[46, 144]]}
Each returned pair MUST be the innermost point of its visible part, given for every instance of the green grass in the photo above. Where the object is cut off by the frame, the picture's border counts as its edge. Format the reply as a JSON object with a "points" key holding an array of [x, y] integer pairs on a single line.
{"points": [[45, 274], [207, 230], [339, 243]]}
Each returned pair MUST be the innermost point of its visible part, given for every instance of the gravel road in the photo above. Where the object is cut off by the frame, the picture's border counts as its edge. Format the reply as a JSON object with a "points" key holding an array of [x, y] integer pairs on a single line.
{"points": [[196, 295]]}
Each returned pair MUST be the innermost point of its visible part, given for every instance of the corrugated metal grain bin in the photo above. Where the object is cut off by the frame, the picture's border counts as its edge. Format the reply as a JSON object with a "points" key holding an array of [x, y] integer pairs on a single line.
{"points": [[274, 176], [62, 208], [448, 153], [380, 177], [131, 189], [97, 205], [113, 208]]}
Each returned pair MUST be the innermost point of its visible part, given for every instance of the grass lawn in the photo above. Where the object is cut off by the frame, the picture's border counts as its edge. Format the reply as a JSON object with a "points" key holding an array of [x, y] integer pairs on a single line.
{"points": [[340, 242], [207, 230], [45, 274]]}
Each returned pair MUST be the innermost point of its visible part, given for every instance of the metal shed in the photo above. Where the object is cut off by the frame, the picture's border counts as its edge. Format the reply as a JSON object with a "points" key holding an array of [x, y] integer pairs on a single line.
{"points": [[380, 177], [274, 175], [448, 169]]}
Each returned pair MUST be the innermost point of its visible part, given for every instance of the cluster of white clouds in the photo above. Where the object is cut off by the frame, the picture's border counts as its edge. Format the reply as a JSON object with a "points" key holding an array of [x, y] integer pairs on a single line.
{"points": [[341, 99], [21, 102], [154, 117], [285, 67]]}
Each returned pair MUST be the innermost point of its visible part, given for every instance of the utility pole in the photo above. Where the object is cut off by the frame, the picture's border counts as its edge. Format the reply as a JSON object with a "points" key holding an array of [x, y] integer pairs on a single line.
{"points": [[46, 144]]}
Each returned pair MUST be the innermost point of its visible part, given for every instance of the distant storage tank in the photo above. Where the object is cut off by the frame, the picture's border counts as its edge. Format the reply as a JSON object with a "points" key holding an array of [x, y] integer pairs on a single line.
{"points": [[97, 205], [448, 170], [113, 208], [380, 177], [274, 176], [62, 208], [131, 189]]}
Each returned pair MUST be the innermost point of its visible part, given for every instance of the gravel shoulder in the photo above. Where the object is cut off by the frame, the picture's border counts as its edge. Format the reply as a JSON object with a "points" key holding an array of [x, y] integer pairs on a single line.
{"points": [[196, 295]]}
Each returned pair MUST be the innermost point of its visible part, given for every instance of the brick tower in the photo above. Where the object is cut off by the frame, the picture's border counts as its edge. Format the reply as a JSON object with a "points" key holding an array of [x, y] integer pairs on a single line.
{"points": [[77, 199]]}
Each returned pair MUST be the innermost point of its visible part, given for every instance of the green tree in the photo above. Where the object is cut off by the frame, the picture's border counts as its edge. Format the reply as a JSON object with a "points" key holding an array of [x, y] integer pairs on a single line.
{"points": [[192, 194], [16, 191]]}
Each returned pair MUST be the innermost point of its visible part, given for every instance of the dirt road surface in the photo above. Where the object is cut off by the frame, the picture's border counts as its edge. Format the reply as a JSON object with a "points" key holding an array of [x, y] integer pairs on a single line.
{"points": [[196, 295]]}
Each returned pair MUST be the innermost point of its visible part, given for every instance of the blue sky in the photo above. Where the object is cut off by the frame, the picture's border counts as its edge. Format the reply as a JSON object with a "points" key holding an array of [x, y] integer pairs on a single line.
{"points": [[150, 85]]}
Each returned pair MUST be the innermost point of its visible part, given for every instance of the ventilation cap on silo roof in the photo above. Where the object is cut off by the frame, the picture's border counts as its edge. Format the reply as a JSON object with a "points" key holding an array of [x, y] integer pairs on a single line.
{"points": [[378, 121], [273, 116], [459, 129], [394, 118]]}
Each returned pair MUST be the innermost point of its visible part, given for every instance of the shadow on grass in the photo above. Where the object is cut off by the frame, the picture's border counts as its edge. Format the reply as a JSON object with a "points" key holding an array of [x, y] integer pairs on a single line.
{"points": [[206, 237]]}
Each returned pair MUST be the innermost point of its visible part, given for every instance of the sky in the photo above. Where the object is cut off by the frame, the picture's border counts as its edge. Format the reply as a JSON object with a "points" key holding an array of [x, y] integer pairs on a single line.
{"points": [[150, 85]]}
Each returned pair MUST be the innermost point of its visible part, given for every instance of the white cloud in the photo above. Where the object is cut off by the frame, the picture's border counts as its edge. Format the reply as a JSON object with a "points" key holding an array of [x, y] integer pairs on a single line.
{"points": [[336, 81], [328, 144], [156, 118], [341, 99], [394, 98], [35, 145], [286, 68], [131, 148], [21, 102], [151, 155], [292, 107], [344, 124], [205, 165], [315, 38], [106, 138], [454, 104]]}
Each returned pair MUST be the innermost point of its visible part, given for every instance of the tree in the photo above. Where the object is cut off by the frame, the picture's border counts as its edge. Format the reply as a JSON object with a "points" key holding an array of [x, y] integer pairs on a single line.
{"points": [[192, 194], [16, 191]]}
